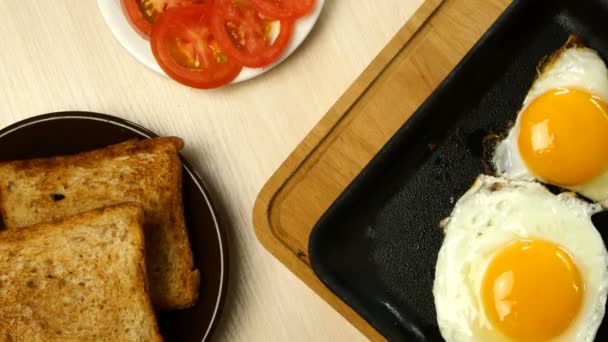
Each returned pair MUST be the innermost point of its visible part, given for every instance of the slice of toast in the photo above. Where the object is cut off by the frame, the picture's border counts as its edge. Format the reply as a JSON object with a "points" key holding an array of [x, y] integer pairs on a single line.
{"points": [[82, 278], [143, 171]]}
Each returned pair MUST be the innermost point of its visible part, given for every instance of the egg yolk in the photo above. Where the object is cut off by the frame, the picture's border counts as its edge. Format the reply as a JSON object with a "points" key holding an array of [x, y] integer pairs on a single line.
{"points": [[563, 136], [532, 290]]}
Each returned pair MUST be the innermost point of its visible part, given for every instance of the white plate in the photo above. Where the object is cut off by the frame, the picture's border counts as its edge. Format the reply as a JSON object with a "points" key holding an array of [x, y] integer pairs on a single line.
{"points": [[140, 48]]}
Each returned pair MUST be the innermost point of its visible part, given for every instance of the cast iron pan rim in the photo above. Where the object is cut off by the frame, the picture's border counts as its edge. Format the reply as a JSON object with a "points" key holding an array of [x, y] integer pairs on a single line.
{"points": [[84, 115], [316, 261]]}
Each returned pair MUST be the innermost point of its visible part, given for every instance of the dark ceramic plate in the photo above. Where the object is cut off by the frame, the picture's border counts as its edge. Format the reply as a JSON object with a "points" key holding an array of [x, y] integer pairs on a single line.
{"points": [[71, 132], [377, 245]]}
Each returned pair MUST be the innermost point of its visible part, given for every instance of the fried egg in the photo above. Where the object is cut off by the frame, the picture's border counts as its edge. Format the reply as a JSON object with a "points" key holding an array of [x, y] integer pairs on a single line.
{"points": [[560, 135], [519, 263]]}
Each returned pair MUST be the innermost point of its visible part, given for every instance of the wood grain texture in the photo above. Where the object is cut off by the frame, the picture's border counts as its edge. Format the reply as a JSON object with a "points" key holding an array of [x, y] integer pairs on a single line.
{"points": [[387, 93], [59, 55]]}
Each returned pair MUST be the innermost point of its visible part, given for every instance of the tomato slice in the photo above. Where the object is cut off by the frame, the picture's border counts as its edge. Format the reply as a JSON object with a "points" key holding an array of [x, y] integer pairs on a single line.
{"points": [[143, 13], [246, 35], [187, 51], [284, 9]]}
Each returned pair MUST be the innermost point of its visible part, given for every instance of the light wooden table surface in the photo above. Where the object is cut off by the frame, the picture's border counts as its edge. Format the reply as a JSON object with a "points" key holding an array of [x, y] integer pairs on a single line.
{"points": [[59, 55]]}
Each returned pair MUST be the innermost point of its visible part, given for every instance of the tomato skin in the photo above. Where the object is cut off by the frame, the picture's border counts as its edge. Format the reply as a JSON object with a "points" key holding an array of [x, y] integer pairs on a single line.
{"points": [[131, 10], [284, 9], [250, 27], [186, 50], [141, 23]]}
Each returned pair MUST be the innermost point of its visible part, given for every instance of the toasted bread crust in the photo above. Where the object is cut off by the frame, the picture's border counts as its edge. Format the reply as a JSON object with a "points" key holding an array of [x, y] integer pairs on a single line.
{"points": [[143, 171], [80, 278]]}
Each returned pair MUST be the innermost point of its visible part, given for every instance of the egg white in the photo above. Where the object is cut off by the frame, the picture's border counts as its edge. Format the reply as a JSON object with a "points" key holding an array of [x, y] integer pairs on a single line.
{"points": [[572, 67], [494, 213]]}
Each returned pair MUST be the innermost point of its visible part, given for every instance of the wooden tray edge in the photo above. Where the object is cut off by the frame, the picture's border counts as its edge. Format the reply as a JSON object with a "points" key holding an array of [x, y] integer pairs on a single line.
{"points": [[263, 204]]}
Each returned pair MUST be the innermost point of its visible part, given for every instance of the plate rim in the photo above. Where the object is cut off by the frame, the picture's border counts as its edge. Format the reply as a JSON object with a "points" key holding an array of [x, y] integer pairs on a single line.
{"points": [[220, 230]]}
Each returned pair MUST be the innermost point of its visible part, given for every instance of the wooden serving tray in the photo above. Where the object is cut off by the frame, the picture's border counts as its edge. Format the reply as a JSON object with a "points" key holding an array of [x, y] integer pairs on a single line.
{"points": [[384, 96]]}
